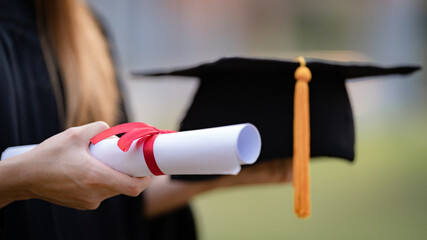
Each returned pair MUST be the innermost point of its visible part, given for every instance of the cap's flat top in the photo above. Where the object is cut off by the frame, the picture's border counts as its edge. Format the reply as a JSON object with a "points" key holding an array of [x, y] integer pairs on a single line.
{"points": [[265, 67]]}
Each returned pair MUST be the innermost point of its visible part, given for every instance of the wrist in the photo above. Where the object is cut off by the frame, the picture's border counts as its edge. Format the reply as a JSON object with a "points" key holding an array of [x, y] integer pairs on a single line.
{"points": [[14, 180]]}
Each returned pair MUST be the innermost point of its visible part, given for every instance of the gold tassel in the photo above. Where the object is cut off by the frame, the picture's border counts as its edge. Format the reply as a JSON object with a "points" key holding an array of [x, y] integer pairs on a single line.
{"points": [[301, 157]]}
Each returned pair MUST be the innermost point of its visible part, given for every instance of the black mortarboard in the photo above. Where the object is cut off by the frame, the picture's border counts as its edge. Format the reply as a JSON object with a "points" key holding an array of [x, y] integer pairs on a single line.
{"points": [[263, 92]]}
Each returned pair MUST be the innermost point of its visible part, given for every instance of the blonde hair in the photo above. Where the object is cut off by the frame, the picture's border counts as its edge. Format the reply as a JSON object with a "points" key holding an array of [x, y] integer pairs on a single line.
{"points": [[87, 72]]}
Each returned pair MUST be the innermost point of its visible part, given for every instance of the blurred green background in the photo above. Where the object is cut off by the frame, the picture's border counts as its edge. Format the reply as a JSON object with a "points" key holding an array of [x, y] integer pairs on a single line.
{"points": [[383, 194]]}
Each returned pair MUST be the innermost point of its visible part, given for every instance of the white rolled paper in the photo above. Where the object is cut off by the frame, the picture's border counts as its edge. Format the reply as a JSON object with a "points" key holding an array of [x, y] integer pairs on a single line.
{"points": [[219, 150], [14, 151]]}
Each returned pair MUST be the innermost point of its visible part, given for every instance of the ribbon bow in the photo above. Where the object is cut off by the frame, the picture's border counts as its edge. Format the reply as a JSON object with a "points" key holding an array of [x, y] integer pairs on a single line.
{"points": [[132, 131]]}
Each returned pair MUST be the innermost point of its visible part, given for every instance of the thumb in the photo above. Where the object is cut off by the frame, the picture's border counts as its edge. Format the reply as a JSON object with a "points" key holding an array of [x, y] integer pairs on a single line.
{"points": [[90, 130]]}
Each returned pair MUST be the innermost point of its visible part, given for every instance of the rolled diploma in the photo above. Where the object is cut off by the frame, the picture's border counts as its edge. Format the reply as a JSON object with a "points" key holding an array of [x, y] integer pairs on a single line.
{"points": [[219, 150]]}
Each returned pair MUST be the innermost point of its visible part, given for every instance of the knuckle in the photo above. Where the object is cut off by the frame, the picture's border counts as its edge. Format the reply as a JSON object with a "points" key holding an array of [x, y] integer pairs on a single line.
{"points": [[72, 133], [138, 186], [79, 207], [92, 200], [145, 183], [91, 178], [92, 205], [134, 190]]}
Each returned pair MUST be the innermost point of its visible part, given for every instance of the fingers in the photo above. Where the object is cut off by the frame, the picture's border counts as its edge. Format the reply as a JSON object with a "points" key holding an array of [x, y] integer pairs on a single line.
{"points": [[288, 170], [119, 182], [281, 170], [63, 171], [131, 186], [273, 171], [138, 185]]}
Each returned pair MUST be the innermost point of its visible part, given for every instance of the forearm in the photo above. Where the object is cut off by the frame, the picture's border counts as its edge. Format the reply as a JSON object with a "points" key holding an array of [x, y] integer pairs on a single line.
{"points": [[165, 195], [13, 187]]}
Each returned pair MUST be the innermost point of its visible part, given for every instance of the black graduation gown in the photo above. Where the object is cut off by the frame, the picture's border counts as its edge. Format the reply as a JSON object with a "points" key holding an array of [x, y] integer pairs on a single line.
{"points": [[28, 115]]}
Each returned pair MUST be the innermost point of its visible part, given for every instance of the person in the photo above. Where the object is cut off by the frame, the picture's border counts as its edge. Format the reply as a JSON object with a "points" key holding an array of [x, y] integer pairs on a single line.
{"points": [[59, 88]]}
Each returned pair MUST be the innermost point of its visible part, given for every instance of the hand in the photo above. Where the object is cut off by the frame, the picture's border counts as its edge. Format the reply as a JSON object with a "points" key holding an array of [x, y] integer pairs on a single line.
{"points": [[272, 171], [165, 195], [62, 171]]}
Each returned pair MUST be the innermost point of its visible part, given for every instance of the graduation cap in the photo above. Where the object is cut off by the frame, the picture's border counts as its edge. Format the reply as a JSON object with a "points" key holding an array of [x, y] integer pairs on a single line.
{"points": [[301, 109]]}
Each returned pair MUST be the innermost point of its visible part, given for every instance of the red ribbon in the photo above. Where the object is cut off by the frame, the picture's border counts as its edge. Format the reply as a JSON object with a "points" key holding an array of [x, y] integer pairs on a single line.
{"points": [[132, 131]]}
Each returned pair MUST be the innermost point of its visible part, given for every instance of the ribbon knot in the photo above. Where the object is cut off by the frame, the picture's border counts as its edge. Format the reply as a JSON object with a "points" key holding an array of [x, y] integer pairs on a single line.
{"points": [[133, 131]]}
